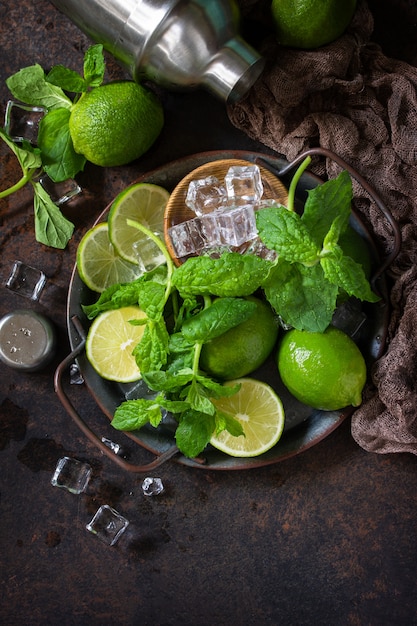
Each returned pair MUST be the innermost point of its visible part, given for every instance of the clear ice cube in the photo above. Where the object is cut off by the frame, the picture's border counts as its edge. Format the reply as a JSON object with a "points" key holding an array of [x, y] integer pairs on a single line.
{"points": [[108, 525], [60, 192], [211, 230], [76, 378], [237, 225], [243, 184], [258, 248], [349, 317], [148, 254], [187, 237], [25, 280], [22, 121], [205, 195], [71, 474], [112, 445], [152, 486]]}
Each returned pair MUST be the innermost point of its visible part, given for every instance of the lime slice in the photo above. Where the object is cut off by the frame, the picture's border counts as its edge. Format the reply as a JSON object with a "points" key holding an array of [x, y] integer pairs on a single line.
{"points": [[98, 263], [259, 410], [144, 203], [111, 340]]}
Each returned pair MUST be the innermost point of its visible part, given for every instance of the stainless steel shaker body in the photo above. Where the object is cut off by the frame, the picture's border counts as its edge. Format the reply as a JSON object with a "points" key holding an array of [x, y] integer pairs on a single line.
{"points": [[175, 43]]}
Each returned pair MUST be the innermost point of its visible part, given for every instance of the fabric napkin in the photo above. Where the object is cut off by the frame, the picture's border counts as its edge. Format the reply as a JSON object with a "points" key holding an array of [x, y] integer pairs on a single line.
{"points": [[352, 99]]}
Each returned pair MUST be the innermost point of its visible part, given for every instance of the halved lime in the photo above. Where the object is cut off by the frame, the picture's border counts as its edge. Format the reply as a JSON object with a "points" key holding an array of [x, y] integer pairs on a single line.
{"points": [[111, 340], [259, 410], [141, 202], [98, 263]]}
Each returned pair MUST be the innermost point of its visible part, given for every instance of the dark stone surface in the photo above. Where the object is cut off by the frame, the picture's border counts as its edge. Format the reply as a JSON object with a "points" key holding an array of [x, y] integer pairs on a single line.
{"points": [[327, 537]]}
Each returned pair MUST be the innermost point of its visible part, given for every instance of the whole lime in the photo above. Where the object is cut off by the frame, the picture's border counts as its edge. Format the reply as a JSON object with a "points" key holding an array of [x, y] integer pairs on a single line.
{"points": [[310, 24], [323, 370], [242, 349], [115, 123]]}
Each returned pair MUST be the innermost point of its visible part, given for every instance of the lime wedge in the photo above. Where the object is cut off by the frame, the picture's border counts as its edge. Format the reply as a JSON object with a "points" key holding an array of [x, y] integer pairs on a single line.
{"points": [[259, 410], [141, 202]]}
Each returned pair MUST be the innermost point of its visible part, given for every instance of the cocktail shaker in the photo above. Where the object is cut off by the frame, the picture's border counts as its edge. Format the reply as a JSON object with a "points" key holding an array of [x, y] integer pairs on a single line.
{"points": [[175, 43]]}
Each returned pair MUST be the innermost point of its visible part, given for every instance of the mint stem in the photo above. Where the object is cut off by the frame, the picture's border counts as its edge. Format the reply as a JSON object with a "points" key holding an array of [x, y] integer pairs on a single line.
{"points": [[294, 182], [21, 183]]}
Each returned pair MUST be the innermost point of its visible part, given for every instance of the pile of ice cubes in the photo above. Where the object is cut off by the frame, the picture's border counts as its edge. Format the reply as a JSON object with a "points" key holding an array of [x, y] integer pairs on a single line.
{"points": [[224, 214]]}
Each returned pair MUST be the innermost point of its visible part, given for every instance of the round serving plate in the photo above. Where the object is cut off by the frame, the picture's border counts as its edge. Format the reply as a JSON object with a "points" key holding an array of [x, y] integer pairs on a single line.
{"points": [[304, 427]]}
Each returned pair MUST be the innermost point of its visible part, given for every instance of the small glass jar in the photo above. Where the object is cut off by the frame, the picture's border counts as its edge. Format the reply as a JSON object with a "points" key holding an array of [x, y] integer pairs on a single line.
{"points": [[27, 340]]}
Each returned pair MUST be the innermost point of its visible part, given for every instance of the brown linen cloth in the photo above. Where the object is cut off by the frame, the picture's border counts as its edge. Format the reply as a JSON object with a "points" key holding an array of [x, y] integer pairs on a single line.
{"points": [[350, 98]]}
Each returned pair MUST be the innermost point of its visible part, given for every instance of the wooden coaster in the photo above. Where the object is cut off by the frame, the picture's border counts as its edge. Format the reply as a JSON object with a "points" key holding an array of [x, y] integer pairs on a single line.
{"points": [[176, 211]]}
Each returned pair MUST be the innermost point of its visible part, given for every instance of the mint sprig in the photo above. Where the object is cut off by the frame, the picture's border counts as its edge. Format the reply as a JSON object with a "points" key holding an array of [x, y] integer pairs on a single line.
{"points": [[312, 268], [51, 227], [55, 152]]}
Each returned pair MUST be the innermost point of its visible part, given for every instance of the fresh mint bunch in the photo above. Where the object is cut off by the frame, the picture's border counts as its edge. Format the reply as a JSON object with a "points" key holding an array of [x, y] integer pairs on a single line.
{"points": [[55, 153]]}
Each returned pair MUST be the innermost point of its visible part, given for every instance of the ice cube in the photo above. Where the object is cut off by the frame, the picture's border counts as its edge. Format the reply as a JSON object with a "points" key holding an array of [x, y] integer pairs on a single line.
{"points": [[71, 474], [349, 317], [187, 237], [205, 195], [108, 525], [60, 192], [243, 184], [148, 254], [237, 225], [152, 486], [25, 280], [22, 121]]}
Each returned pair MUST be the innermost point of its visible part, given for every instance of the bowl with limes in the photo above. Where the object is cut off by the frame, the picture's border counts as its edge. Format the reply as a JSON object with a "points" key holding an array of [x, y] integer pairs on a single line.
{"points": [[296, 426]]}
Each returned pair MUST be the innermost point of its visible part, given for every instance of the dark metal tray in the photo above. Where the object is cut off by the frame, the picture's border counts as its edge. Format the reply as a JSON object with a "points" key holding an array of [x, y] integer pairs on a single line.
{"points": [[304, 426]]}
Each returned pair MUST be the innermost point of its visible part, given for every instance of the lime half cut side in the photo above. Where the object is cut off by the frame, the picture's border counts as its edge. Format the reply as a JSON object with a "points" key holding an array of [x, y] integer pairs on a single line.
{"points": [[98, 263], [144, 203], [259, 410], [110, 342]]}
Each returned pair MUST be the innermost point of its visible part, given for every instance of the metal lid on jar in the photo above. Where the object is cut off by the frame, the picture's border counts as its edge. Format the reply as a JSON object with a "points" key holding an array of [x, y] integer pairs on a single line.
{"points": [[27, 340]]}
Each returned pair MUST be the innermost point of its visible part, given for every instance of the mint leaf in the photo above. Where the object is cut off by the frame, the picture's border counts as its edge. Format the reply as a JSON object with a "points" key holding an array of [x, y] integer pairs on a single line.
{"points": [[51, 227], [217, 390], [348, 275], [124, 294], [29, 159], [173, 406], [337, 228], [67, 79], [94, 66], [301, 296], [58, 155], [166, 381], [151, 353], [133, 414], [114, 297], [282, 230], [229, 423], [30, 86], [213, 321], [197, 398], [232, 274], [326, 202], [152, 299], [70, 80], [194, 432]]}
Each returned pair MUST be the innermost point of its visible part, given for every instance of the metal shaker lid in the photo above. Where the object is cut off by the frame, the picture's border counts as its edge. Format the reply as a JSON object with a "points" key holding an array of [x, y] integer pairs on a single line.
{"points": [[27, 340]]}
